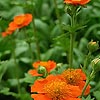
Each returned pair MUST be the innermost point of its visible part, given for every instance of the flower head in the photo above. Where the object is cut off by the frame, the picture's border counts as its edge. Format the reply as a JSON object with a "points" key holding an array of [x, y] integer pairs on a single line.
{"points": [[49, 65], [77, 78], [20, 21], [54, 88], [93, 46], [76, 2]]}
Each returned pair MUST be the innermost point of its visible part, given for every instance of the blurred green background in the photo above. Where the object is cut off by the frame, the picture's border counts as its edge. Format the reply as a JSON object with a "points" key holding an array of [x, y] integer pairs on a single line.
{"points": [[50, 18]]}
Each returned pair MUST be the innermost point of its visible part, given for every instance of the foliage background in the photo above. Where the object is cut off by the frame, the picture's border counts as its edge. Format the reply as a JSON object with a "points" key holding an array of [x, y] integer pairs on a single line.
{"points": [[54, 45]]}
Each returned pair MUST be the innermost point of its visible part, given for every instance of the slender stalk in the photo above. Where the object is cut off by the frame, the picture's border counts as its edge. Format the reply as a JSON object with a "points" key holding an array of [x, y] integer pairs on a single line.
{"points": [[16, 73], [71, 51], [29, 43], [35, 31], [87, 82], [71, 44], [58, 15], [30, 49], [86, 60], [16, 67]]}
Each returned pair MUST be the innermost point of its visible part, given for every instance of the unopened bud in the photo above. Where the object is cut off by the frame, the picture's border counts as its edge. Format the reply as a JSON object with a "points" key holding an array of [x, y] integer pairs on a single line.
{"points": [[68, 9], [42, 70], [96, 64], [93, 46]]}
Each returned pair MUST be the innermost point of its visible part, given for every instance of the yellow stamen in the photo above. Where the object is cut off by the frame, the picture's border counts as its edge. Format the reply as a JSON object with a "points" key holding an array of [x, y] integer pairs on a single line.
{"points": [[56, 90], [71, 76]]}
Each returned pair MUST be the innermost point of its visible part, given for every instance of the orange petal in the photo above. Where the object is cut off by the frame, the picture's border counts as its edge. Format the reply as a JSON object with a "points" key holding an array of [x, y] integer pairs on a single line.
{"points": [[34, 73], [28, 19], [4, 34], [76, 2], [12, 26], [70, 98], [83, 76], [50, 65], [81, 85], [38, 86], [40, 97], [53, 77], [36, 64], [74, 91], [84, 2]]}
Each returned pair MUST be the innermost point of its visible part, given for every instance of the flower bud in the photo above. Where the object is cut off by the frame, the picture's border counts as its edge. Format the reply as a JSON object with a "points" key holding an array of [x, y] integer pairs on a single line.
{"points": [[42, 70], [93, 46], [96, 64], [68, 9]]}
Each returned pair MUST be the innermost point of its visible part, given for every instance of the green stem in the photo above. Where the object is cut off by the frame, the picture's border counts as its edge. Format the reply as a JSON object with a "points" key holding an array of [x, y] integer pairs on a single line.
{"points": [[71, 43], [16, 67], [87, 82], [35, 31], [16, 73], [30, 49], [29, 43], [86, 60], [85, 86], [71, 51], [58, 15]]}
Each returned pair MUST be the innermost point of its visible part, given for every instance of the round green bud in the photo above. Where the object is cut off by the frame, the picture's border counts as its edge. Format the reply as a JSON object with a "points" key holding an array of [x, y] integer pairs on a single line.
{"points": [[96, 64], [93, 46], [42, 70]]}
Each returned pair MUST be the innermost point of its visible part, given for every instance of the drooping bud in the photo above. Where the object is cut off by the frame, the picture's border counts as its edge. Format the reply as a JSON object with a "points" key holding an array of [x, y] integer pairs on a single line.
{"points": [[42, 70], [96, 64], [93, 46]]}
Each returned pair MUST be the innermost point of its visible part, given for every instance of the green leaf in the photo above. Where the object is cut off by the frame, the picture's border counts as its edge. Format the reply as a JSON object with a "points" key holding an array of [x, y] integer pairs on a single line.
{"points": [[3, 68], [62, 41], [88, 98], [97, 94], [29, 78], [26, 96], [21, 47], [6, 91], [25, 60]]}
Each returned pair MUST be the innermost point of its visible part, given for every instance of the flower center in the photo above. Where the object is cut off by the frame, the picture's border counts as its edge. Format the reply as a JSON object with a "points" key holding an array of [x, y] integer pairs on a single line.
{"points": [[19, 20], [71, 76], [56, 90]]}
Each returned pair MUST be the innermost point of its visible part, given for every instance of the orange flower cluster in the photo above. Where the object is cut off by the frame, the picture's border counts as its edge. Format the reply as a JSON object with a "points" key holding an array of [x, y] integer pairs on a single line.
{"points": [[18, 22], [76, 2], [77, 78], [67, 86], [54, 88], [49, 65]]}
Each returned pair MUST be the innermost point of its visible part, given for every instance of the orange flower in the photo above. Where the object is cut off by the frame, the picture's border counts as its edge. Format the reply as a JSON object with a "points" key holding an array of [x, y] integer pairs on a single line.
{"points": [[77, 78], [49, 65], [20, 21], [54, 88], [76, 2]]}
